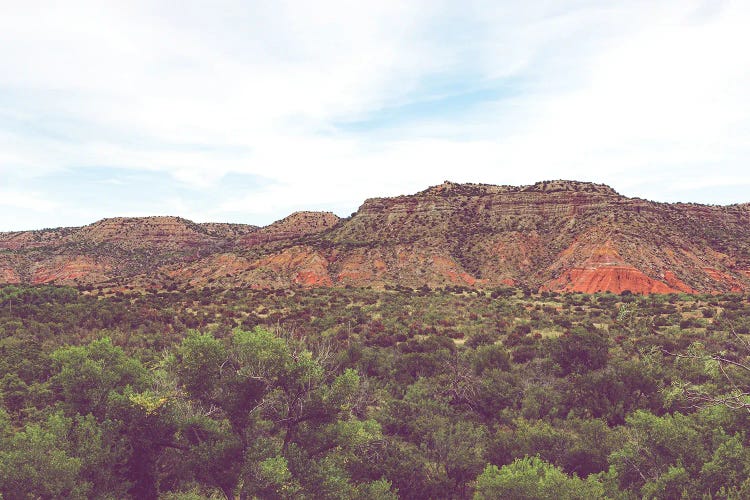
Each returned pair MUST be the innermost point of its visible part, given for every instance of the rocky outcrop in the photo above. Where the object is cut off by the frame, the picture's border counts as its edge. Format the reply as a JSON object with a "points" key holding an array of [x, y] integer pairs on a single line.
{"points": [[557, 235], [562, 235]]}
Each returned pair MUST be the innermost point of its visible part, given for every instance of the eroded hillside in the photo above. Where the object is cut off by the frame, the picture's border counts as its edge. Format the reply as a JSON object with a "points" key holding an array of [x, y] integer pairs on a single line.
{"points": [[556, 236]]}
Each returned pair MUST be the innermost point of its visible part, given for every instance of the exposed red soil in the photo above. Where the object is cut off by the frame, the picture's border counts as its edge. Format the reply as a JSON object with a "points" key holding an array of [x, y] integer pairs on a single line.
{"points": [[615, 279], [68, 271], [9, 275], [356, 268], [452, 271], [725, 279], [216, 266], [303, 264], [677, 284]]}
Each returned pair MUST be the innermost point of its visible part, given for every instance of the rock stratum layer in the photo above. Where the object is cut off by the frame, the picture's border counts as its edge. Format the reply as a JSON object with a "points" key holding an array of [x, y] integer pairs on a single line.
{"points": [[561, 236]]}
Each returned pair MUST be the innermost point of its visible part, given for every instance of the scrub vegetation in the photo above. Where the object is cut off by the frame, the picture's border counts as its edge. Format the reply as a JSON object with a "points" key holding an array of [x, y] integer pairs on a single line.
{"points": [[357, 393]]}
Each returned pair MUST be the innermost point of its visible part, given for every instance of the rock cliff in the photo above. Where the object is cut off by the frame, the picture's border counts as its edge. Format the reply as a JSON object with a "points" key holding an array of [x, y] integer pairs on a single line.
{"points": [[561, 236]]}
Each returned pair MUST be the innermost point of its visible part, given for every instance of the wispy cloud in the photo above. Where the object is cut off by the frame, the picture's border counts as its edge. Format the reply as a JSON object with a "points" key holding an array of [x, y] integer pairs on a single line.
{"points": [[322, 104], [21, 200]]}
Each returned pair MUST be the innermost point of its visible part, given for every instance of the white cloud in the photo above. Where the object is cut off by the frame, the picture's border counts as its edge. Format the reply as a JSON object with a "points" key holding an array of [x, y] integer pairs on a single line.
{"points": [[647, 96], [24, 201]]}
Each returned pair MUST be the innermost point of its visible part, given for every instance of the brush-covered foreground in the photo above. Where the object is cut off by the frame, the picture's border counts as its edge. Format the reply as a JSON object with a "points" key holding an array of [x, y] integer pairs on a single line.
{"points": [[354, 393]]}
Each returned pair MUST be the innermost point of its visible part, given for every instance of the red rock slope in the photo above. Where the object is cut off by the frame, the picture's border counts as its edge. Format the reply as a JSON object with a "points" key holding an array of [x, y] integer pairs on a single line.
{"points": [[559, 235]]}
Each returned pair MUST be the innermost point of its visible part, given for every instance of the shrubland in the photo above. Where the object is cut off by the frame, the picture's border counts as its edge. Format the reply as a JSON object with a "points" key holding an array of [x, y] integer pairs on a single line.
{"points": [[360, 393]]}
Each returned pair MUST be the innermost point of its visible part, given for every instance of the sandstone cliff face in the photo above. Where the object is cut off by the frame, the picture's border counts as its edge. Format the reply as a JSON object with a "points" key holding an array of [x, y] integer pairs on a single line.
{"points": [[561, 236], [603, 270]]}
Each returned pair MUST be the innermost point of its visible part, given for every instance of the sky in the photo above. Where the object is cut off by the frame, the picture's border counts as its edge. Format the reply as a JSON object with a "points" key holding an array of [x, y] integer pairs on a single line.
{"points": [[245, 111]]}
